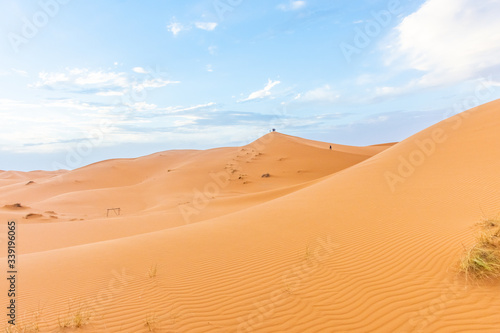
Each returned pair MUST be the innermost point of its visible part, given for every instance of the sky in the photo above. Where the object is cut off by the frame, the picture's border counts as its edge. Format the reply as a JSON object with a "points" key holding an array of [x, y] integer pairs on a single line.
{"points": [[83, 81]]}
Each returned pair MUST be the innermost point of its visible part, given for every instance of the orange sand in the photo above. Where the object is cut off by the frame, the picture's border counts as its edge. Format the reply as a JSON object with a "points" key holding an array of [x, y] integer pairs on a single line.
{"points": [[354, 239]]}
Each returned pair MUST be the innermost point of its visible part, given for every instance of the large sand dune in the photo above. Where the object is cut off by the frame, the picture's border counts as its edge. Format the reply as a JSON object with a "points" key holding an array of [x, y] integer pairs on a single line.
{"points": [[281, 235]]}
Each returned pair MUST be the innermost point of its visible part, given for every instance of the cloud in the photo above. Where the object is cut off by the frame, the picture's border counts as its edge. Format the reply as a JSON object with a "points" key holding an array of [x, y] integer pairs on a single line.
{"points": [[140, 70], [12, 105], [262, 93], [180, 109], [209, 68], [448, 41], [110, 93], [81, 80], [101, 83], [208, 26], [324, 94], [20, 72], [154, 83], [175, 28], [292, 5], [55, 125]]}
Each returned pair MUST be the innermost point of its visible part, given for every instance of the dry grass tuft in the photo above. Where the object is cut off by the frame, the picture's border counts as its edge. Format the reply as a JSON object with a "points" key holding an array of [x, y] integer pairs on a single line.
{"points": [[482, 260], [76, 319], [153, 270]]}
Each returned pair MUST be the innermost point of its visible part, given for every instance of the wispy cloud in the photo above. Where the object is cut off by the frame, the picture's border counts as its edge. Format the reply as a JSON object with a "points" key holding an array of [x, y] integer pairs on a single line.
{"points": [[140, 70], [20, 72], [101, 83], [259, 94], [324, 94], [176, 27], [81, 79], [7, 104], [208, 26], [292, 5]]}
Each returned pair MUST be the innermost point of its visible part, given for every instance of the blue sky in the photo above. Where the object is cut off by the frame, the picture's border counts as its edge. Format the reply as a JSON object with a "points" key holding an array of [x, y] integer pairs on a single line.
{"points": [[83, 81]]}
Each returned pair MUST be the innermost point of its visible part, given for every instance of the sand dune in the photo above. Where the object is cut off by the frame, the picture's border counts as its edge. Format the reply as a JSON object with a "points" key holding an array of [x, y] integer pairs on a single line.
{"points": [[353, 239]]}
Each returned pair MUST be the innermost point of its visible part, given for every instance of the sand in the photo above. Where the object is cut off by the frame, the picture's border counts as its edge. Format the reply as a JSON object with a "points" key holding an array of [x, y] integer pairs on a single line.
{"points": [[281, 235]]}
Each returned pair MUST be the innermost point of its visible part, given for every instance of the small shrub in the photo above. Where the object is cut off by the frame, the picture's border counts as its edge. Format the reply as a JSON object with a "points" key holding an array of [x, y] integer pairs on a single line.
{"points": [[153, 270], [482, 260], [266, 175], [77, 319]]}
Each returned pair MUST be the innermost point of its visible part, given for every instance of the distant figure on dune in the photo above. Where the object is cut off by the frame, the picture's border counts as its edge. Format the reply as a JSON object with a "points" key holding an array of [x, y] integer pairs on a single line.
{"points": [[274, 129], [330, 147]]}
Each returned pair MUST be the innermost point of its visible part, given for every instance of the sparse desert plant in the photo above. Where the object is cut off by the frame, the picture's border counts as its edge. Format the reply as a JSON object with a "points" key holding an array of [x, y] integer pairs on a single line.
{"points": [[482, 260], [151, 322], [266, 175], [75, 319], [153, 270]]}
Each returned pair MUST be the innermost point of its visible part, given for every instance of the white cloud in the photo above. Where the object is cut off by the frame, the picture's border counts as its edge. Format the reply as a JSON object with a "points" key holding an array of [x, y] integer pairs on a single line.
{"points": [[448, 40], [259, 94], [212, 49], [209, 68], [81, 78], [110, 93], [88, 78], [389, 91], [140, 70], [49, 79], [143, 106], [292, 5], [323, 94], [154, 83], [20, 72], [208, 26], [12, 105], [175, 28], [176, 109], [100, 83]]}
